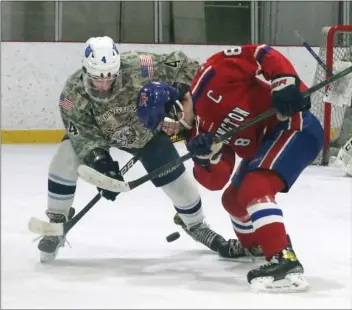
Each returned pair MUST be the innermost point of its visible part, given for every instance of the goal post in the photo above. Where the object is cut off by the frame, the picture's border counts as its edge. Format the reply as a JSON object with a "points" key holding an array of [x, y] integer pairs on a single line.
{"points": [[336, 46]]}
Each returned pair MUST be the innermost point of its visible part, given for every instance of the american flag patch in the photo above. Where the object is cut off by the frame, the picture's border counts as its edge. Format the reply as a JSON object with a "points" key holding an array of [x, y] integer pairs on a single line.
{"points": [[65, 103], [147, 66]]}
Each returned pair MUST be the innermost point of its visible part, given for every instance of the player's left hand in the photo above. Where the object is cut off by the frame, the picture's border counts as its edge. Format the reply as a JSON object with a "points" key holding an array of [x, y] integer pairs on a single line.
{"points": [[286, 95]]}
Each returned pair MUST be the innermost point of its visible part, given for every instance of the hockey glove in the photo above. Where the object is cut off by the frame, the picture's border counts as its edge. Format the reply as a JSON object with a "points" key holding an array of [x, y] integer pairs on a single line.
{"points": [[204, 150], [287, 97], [101, 161]]}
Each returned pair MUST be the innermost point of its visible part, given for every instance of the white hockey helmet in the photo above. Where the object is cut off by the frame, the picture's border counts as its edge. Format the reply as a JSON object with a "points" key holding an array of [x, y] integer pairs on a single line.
{"points": [[101, 65]]}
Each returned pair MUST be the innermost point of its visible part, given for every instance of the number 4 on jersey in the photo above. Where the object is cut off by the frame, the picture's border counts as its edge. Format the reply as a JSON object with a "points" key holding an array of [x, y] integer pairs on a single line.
{"points": [[72, 129], [172, 64]]}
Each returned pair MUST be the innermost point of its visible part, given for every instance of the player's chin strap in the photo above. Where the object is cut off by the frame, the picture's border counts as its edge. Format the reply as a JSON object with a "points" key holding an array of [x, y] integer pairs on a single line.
{"points": [[93, 177], [175, 121], [182, 119], [177, 115]]}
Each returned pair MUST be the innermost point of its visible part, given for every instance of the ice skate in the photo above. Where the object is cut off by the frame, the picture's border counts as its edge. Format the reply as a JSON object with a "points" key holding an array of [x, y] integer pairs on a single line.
{"points": [[201, 233], [283, 274], [49, 245], [233, 248]]}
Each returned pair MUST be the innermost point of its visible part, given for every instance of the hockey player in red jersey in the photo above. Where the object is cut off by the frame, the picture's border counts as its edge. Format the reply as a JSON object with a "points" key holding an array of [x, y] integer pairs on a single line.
{"points": [[227, 93]]}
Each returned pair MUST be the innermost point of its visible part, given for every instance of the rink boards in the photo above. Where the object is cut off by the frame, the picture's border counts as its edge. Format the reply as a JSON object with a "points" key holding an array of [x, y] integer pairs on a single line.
{"points": [[33, 74]]}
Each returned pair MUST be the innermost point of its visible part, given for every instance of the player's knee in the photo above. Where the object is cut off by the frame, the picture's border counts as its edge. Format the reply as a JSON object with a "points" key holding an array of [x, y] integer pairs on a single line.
{"points": [[258, 185], [230, 202], [65, 163], [183, 191]]}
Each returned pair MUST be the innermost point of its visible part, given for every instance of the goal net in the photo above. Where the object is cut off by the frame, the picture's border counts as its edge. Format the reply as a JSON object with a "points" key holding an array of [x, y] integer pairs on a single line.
{"points": [[336, 120]]}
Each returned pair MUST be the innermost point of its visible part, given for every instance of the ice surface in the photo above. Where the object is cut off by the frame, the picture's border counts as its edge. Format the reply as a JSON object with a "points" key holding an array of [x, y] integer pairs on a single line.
{"points": [[119, 257]]}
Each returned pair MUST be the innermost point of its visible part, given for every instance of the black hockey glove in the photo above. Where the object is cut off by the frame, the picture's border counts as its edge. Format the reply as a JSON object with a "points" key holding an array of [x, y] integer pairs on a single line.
{"points": [[205, 151], [286, 95], [100, 160]]}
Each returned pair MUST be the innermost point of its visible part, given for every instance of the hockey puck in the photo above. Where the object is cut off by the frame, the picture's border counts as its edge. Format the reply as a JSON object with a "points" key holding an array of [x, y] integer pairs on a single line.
{"points": [[172, 237]]}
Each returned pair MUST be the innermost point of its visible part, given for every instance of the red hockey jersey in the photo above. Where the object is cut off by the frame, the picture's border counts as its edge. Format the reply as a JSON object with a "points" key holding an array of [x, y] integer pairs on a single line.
{"points": [[227, 92]]}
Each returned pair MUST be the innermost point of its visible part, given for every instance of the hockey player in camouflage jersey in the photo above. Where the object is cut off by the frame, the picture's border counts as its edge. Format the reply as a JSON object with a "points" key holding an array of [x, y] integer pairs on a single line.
{"points": [[98, 108], [96, 123]]}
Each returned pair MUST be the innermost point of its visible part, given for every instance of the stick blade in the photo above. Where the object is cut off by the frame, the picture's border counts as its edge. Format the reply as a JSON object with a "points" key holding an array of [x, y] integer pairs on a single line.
{"points": [[100, 180], [43, 228]]}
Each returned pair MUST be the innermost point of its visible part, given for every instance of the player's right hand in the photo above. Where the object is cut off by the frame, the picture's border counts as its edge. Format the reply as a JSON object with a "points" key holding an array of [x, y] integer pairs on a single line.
{"points": [[112, 170], [205, 151], [287, 97], [103, 162]]}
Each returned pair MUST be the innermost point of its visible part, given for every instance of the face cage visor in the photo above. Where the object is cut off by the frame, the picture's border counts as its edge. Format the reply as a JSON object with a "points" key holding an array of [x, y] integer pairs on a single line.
{"points": [[102, 89]]}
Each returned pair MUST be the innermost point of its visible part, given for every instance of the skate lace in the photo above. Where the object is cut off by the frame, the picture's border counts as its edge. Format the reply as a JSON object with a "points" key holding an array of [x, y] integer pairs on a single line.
{"points": [[236, 248], [274, 261], [203, 234], [53, 239]]}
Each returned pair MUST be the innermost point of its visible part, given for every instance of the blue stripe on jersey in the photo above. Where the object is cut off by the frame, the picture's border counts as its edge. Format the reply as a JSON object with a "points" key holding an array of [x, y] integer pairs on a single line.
{"points": [[265, 212], [201, 86], [263, 51]]}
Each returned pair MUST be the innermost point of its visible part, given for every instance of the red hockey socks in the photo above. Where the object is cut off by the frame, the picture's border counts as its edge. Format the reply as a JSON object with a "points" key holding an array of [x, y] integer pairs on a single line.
{"points": [[240, 220], [257, 193]]}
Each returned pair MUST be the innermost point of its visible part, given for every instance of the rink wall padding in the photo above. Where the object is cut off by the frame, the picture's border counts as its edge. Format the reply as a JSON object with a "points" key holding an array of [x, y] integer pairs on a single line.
{"points": [[42, 136], [33, 74], [31, 136]]}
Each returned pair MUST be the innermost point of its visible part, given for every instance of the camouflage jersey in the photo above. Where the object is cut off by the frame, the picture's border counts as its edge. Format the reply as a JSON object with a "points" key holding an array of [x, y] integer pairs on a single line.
{"points": [[91, 125]]}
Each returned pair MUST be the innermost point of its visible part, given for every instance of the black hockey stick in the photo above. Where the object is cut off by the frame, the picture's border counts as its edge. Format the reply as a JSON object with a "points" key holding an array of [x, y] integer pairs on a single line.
{"points": [[44, 228], [91, 176], [310, 50]]}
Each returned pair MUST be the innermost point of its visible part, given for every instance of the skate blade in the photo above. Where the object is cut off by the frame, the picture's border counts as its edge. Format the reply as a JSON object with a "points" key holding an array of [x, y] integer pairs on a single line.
{"points": [[292, 283], [243, 259], [43, 228], [46, 258]]}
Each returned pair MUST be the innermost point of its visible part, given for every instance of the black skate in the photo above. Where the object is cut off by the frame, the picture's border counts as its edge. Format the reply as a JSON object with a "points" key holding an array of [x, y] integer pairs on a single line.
{"points": [[201, 233], [233, 248], [49, 245], [284, 273]]}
